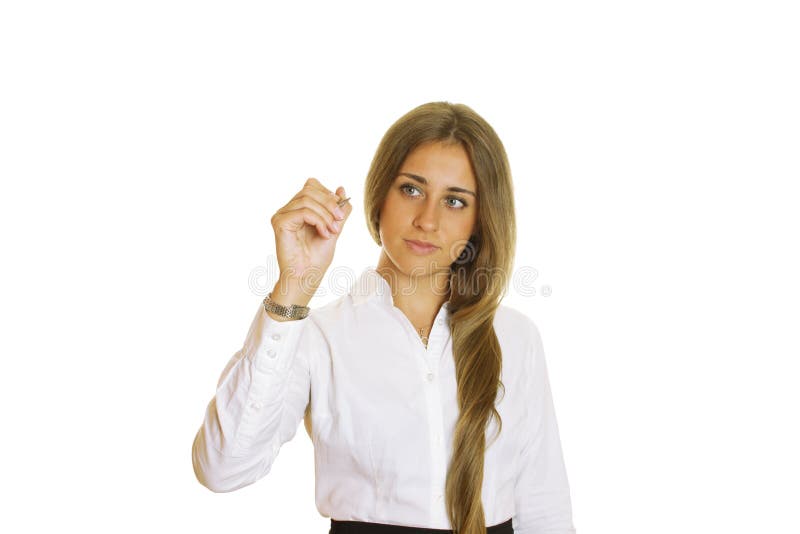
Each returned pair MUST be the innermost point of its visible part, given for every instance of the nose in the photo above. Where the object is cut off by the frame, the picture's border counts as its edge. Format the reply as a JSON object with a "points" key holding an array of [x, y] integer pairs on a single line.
{"points": [[427, 218]]}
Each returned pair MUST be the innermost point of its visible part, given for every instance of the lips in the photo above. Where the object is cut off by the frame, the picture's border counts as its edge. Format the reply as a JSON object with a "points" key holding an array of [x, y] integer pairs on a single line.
{"points": [[421, 244], [420, 247]]}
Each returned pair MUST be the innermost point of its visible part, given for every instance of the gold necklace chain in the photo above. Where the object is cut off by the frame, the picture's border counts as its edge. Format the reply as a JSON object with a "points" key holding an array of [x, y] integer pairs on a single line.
{"points": [[423, 337]]}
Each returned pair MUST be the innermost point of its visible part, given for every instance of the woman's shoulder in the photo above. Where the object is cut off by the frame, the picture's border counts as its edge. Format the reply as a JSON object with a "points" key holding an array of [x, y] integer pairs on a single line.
{"points": [[514, 322], [338, 307], [516, 331], [333, 311]]}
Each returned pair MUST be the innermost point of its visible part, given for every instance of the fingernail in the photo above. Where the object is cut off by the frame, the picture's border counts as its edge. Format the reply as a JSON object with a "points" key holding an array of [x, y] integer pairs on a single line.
{"points": [[339, 213]]}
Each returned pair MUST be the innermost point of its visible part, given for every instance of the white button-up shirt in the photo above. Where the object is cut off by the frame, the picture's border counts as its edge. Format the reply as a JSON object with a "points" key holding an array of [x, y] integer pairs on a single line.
{"points": [[382, 411]]}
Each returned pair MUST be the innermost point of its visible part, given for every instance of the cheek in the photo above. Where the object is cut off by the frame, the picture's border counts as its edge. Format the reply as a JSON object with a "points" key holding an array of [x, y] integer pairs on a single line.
{"points": [[461, 228], [391, 213], [459, 237]]}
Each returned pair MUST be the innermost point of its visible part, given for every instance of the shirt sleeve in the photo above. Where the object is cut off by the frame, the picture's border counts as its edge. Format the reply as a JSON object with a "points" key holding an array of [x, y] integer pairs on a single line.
{"points": [[542, 494], [260, 399]]}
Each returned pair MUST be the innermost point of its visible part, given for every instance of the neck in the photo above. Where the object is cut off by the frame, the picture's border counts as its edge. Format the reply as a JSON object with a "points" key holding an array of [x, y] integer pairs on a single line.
{"points": [[419, 296]]}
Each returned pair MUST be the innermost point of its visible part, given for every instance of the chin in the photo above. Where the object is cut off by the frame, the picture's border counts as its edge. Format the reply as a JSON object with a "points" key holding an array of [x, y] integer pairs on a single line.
{"points": [[422, 266]]}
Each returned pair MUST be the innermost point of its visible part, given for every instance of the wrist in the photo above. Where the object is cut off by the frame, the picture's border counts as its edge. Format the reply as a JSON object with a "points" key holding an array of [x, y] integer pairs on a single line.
{"points": [[288, 291]]}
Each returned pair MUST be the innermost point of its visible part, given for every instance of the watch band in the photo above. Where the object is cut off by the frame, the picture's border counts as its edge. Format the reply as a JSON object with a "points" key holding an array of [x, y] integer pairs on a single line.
{"points": [[293, 311]]}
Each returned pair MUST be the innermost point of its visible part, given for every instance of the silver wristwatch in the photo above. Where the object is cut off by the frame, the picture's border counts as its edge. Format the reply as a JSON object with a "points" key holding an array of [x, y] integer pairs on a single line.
{"points": [[293, 311]]}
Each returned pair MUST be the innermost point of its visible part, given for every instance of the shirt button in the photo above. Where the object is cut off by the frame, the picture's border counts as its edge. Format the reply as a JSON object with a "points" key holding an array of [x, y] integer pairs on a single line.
{"points": [[271, 353], [430, 377], [256, 405], [276, 337]]}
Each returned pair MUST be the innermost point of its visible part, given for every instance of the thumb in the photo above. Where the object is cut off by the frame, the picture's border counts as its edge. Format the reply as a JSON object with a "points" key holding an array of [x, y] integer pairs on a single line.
{"points": [[347, 207]]}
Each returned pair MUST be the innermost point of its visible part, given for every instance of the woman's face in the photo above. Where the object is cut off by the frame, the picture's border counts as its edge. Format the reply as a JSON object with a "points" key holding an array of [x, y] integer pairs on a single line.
{"points": [[433, 199]]}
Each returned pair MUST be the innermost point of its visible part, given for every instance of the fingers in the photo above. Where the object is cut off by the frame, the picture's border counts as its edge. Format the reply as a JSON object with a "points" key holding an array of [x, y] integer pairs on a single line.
{"points": [[347, 207], [319, 198], [314, 219], [318, 207], [324, 196], [294, 219]]}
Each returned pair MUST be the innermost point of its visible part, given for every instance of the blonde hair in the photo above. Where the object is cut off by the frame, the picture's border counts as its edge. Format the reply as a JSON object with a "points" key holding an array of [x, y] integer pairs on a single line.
{"points": [[478, 282]]}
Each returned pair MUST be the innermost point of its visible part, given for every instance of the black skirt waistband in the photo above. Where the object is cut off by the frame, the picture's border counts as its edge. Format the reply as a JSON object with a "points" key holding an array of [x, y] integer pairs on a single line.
{"points": [[364, 527]]}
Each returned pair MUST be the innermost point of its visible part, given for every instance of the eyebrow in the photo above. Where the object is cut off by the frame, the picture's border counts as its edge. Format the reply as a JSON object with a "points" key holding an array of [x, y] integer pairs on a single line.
{"points": [[423, 181]]}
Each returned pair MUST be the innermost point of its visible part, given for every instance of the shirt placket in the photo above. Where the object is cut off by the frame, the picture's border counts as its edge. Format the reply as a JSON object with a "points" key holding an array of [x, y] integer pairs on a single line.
{"points": [[431, 359], [428, 360]]}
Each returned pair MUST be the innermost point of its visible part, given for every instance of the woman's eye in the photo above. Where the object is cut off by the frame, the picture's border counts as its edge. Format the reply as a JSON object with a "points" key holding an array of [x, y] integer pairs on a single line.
{"points": [[408, 190], [462, 205], [406, 187]]}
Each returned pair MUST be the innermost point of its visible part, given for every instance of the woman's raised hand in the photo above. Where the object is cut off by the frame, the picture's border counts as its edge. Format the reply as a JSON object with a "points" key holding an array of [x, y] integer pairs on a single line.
{"points": [[306, 231]]}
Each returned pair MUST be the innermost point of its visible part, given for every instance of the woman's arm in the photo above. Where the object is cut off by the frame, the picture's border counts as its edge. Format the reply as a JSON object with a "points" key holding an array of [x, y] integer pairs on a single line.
{"points": [[542, 495], [260, 400], [265, 388]]}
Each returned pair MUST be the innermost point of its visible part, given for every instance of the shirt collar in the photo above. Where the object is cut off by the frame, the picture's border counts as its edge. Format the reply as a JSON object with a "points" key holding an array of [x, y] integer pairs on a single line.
{"points": [[371, 285]]}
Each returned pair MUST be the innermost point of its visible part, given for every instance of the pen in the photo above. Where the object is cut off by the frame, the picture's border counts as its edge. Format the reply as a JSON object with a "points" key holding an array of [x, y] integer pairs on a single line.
{"points": [[341, 202]]}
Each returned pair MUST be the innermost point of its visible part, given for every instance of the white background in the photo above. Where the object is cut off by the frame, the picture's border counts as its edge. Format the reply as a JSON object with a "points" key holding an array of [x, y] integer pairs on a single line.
{"points": [[654, 147]]}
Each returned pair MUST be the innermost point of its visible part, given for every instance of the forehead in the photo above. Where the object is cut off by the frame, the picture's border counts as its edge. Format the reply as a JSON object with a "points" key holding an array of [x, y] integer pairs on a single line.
{"points": [[442, 165]]}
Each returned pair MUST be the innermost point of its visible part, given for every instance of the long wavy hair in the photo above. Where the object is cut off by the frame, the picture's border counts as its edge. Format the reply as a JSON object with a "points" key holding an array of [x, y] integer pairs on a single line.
{"points": [[478, 281]]}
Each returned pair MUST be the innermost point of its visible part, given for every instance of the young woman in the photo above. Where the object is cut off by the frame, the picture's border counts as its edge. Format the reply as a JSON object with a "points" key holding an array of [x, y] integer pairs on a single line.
{"points": [[427, 401]]}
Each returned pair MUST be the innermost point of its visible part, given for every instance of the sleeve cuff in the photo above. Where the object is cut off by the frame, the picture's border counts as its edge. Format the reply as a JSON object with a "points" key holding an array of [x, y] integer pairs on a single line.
{"points": [[269, 343]]}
